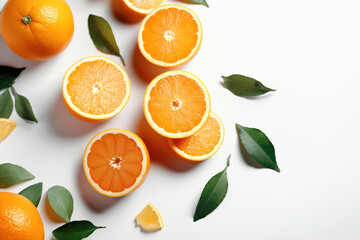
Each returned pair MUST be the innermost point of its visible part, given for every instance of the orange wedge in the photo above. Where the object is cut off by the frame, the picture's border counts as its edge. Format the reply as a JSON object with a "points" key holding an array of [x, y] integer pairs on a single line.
{"points": [[149, 219], [95, 89], [170, 35], [202, 144], [115, 162], [134, 10], [6, 127], [176, 104]]}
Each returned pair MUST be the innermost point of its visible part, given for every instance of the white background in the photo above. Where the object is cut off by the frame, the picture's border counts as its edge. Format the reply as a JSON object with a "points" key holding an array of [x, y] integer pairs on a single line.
{"points": [[309, 50]]}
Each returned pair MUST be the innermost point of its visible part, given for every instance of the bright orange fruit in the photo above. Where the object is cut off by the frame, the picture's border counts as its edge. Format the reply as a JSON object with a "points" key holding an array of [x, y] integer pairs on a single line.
{"points": [[170, 35], [96, 88], [202, 144], [134, 10], [36, 29], [149, 219], [176, 104], [19, 218], [115, 162]]}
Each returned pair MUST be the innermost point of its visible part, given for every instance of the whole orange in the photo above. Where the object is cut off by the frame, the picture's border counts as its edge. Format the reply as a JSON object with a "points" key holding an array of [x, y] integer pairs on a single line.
{"points": [[37, 29], [19, 218]]}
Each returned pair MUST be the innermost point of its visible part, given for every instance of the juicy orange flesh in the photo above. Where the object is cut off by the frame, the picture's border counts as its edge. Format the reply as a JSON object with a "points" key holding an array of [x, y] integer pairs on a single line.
{"points": [[96, 87], [146, 5], [202, 142], [115, 162], [148, 219], [177, 104], [170, 35]]}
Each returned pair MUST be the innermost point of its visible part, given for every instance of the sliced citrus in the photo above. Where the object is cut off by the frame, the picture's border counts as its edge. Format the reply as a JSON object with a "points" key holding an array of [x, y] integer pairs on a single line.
{"points": [[202, 144], [149, 219], [95, 88], [176, 104], [135, 10], [170, 35], [6, 127], [115, 162]]}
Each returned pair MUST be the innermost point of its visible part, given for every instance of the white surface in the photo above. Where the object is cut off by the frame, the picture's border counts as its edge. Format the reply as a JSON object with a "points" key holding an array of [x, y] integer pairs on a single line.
{"points": [[307, 49]]}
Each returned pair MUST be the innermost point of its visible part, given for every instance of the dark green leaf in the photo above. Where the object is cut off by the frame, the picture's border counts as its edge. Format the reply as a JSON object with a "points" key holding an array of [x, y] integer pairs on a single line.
{"points": [[61, 201], [75, 230], [23, 107], [259, 147], [33, 193], [203, 2], [102, 36], [8, 76], [11, 174], [6, 104], [213, 194], [245, 86]]}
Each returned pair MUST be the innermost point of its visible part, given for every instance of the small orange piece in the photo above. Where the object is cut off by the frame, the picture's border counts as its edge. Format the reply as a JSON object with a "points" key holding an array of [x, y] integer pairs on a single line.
{"points": [[176, 104], [149, 219], [19, 218], [134, 10], [37, 29], [202, 144], [170, 35], [95, 89], [115, 162], [6, 127]]}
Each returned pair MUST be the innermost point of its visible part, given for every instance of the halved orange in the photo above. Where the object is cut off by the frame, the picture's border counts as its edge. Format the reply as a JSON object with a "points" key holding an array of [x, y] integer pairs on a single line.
{"points": [[115, 162], [202, 144], [6, 127], [170, 35], [149, 219], [176, 104], [95, 88], [134, 10]]}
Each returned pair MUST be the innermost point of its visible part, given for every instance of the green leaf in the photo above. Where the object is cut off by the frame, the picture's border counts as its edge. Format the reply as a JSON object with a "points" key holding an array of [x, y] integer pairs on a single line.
{"points": [[75, 230], [245, 86], [213, 194], [259, 147], [11, 174], [61, 201], [203, 2], [8, 76], [33, 193], [6, 104], [102, 36], [23, 107]]}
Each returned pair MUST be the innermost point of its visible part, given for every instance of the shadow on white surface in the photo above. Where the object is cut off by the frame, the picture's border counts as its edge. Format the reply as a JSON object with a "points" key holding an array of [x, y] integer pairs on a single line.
{"points": [[67, 125], [158, 150]]}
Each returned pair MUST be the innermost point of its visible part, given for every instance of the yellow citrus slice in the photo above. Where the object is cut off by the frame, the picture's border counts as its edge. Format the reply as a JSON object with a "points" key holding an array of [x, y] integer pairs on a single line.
{"points": [[134, 10], [6, 127], [202, 144], [149, 219], [116, 162], [176, 104], [95, 88], [170, 35]]}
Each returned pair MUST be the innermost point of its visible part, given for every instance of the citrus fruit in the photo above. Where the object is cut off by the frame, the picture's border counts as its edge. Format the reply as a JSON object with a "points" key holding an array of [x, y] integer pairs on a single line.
{"points": [[176, 104], [115, 162], [37, 29], [170, 35], [19, 218], [6, 127], [202, 144], [134, 10], [95, 88], [149, 219]]}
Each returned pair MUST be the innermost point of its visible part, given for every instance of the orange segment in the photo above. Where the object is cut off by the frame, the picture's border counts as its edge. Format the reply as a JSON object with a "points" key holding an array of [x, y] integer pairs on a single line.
{"points": [[176, 104], [96, 88], [170, 35], [6, 127], [115, 162], [149, 219], [202, 144]]}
